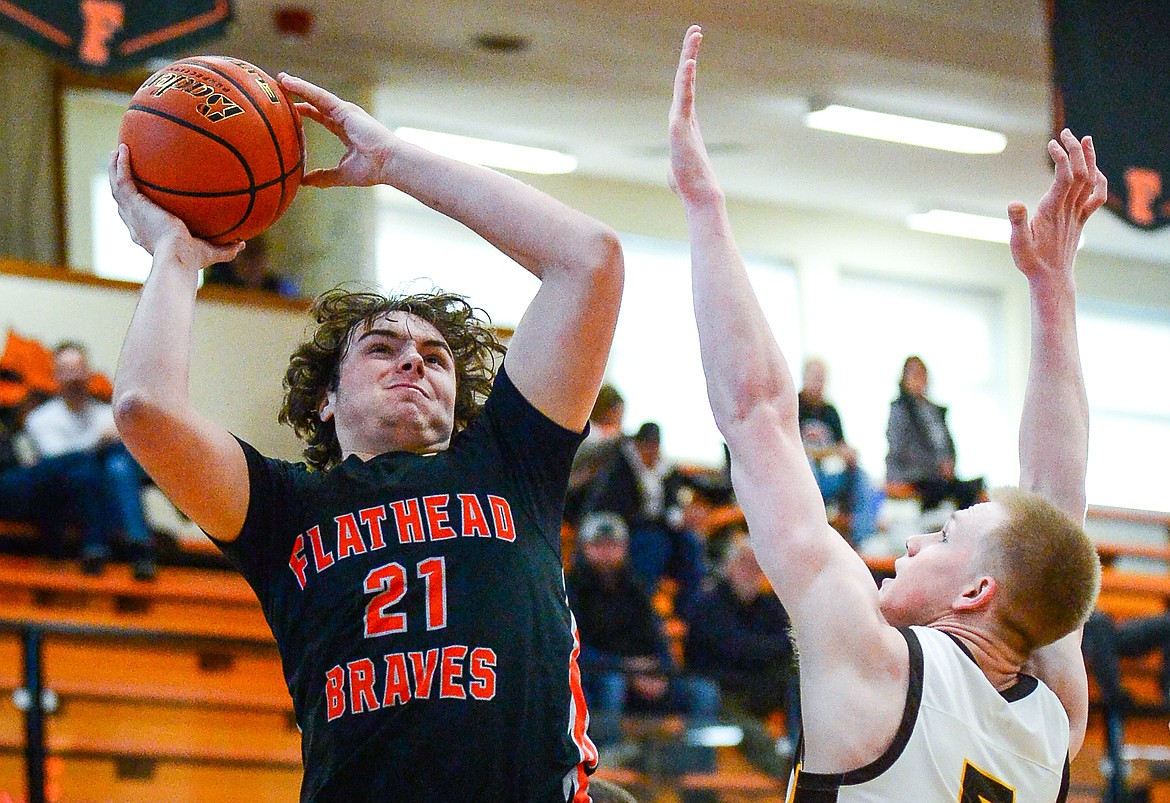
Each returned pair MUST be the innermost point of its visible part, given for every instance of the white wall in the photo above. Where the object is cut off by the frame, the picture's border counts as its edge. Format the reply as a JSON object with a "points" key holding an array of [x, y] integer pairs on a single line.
{"points": [[240, 350]]}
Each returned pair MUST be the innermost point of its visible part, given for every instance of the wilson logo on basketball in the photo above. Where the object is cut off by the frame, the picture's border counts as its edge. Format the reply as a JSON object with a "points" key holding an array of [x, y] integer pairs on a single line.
{"points": [[215, 106]]}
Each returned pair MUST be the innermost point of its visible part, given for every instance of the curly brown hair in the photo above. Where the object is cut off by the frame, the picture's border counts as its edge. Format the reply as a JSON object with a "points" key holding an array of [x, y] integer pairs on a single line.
{"points": [[313, 369]]}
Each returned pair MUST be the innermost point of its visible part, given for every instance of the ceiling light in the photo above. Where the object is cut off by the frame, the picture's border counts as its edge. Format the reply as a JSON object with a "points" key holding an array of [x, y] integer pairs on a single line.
{"points": [[961, 224], [907, 130], [489, 153]]}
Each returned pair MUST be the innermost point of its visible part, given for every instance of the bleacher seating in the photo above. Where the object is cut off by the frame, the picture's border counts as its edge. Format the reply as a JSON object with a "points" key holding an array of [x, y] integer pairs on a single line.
{"points": [[174, 693], [201, 712]]}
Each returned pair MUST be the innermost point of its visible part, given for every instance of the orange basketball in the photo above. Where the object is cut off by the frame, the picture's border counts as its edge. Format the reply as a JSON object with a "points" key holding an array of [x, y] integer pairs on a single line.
{"points": [[216, 142]]}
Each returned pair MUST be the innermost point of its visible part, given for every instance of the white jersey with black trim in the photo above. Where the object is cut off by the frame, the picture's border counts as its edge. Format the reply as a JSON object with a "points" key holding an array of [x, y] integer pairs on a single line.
{"points": [[959, 740]]}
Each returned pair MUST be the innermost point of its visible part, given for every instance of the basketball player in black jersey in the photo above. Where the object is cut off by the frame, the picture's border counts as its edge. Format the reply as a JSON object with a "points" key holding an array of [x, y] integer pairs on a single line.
{"points": [[411, 573], [961, 678]]}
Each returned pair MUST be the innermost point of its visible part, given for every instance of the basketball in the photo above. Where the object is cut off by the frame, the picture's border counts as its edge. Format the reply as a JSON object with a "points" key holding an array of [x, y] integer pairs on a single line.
{"points": [[216, 142]]}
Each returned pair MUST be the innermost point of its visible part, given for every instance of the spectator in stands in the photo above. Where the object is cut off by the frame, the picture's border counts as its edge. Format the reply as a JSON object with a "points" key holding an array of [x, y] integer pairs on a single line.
{"points": [[605, 422], [625, 661], [852, 501], [922, 452], [72, 430], [635, 482], [605, 432], [1105, 641], [739, 638], [252, 270]]}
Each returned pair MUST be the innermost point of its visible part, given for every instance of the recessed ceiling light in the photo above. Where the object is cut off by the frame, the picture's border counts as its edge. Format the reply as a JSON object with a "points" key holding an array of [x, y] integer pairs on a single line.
{"points": [[962, 224], [906, 130], [490, 153]]}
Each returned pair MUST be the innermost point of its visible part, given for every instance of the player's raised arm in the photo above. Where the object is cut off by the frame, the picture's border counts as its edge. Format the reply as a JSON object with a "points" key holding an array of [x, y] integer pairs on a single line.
{"points": [[824, 585], [1054, 428], [196, 462], [558, 353]]}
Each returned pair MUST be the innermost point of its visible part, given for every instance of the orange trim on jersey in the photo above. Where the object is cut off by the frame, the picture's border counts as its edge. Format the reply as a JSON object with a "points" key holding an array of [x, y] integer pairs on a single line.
{"points": [[579, 717], [582, 795], [173, 31], [35, 23]]}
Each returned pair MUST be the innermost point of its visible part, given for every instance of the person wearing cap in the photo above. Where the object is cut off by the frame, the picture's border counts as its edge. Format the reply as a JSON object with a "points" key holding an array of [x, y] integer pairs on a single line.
{"points": [[625, 662], [636, 483]]}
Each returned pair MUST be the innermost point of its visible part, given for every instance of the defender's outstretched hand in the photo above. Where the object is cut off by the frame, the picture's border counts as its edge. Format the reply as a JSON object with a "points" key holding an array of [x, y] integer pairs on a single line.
{"points": [[1045, 247], [151, 226], [691, 175], [369, 145]]}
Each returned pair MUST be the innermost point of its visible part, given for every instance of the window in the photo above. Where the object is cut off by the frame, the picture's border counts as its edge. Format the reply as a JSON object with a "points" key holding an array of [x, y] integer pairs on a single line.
{"points": [[654, 361], [96, 238], [957, 332], [419, 250], [655, 358], [1129, 405]]}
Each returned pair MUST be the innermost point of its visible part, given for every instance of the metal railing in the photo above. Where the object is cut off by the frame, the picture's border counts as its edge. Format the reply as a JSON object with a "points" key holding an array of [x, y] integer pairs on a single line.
{"points": [[36, 700]]}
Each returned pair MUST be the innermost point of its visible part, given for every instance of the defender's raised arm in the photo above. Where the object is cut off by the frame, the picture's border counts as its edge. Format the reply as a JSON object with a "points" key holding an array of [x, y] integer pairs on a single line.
{"points": [[825, 586], [1054, 427]]}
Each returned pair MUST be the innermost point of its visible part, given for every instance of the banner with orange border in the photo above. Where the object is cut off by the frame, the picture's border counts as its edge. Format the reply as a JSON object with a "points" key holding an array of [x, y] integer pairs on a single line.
{"points": [[107, 36]]}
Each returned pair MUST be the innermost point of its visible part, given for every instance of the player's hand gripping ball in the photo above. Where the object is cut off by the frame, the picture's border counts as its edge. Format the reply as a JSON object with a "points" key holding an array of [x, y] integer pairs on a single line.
{"points": [[218, 143]]}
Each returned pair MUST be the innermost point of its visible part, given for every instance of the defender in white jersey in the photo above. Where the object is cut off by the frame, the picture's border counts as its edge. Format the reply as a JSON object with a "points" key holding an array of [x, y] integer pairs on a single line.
{"points": [[961, 678]]}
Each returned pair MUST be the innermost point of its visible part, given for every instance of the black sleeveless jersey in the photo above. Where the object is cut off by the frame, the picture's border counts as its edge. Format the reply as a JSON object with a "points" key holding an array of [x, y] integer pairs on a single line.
{"points": [[420, 610]]}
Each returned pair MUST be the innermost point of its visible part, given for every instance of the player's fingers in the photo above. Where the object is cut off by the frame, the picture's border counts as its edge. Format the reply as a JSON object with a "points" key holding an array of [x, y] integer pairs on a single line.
{"points": [[314, 114], [1021, 242], [684, 79], [1021, 235], [321, 177], [1090, 152], [226, 253], [1076, 154], [1062, 170], [121, 182], [684, 95], [690, 45], [323, 99], [1097, 191], [112, 170]]}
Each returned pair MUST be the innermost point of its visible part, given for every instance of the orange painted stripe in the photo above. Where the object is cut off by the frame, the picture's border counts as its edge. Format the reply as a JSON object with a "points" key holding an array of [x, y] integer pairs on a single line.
{"points": [[173, 31], [35, 23]]}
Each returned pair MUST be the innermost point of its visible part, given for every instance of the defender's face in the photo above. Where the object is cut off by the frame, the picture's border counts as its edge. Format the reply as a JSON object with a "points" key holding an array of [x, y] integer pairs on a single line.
{"points": [[938, 567], [396, 388]]}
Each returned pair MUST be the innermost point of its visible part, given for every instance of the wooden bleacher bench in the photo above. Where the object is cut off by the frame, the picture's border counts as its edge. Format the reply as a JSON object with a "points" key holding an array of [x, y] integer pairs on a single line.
{"points": [[164, 733], [128, 779], [173, 584], [181, 690], [206, 602]]}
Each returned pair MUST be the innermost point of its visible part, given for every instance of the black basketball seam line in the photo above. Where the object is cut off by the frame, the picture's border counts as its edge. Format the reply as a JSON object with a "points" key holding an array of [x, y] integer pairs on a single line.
{"points": [[214, 138], [252, 193], [251, 198], [254, 190], [255, 105]]}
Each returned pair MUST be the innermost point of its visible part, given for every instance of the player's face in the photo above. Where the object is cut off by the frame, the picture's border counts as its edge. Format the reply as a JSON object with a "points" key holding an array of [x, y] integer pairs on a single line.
{"points": [[396, 388], [938, 568]]}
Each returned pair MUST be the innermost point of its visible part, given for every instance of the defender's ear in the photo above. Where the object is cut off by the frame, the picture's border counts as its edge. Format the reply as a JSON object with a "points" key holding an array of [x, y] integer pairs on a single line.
{"points": [[977, 595]]}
